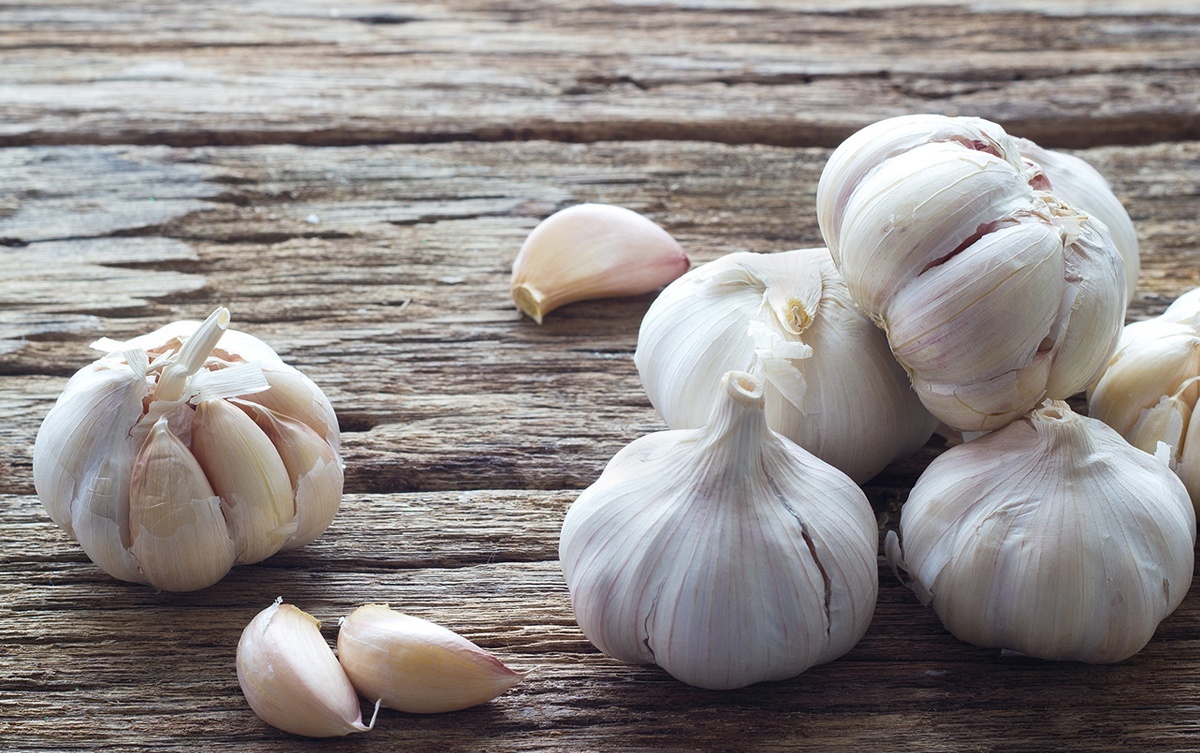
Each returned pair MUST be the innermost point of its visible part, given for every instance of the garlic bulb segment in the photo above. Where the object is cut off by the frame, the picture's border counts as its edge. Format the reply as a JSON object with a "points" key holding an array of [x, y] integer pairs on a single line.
{"points": [[1051, 537], [592, 251], [291, 678], [148, 464], [994, 294], [416, 666], [1149, 390], [1079, 184], [179, 535], [830, 383], [727, 555]]}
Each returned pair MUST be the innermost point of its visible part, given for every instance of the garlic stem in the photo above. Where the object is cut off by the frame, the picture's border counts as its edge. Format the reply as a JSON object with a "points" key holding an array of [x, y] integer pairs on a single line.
{"points": [[191, 356]]}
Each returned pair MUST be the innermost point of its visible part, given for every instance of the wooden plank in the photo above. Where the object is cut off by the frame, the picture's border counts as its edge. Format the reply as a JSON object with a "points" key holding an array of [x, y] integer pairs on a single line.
{"points": [[299, 71]]}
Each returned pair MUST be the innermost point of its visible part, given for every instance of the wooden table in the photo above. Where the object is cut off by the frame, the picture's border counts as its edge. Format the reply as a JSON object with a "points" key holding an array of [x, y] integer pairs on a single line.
{"points": [[353, 180]]}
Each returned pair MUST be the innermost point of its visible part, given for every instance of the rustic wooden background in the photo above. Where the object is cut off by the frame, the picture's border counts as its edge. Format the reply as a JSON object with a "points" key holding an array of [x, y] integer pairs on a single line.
{"points": [[353, 180]]}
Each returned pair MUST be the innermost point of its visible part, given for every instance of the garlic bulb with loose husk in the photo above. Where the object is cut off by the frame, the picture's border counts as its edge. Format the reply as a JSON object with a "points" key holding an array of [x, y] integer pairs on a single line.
{"points": [[186, 451], [994, 294], [1151, 386], [727, 555], [592, 251], [830, 384], [1051, 537]]}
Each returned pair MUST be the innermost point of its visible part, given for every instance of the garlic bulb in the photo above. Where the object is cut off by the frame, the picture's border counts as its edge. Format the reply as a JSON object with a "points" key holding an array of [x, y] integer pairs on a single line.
{"points": [[994, 295], [186, 451], [1150, 388], [291, 678], [830, 384], [727, 555], [592, 251], [1051, 537], [414, 665]]}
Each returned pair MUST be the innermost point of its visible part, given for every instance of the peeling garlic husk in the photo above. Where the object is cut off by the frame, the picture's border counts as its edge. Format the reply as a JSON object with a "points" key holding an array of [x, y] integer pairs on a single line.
{"points": [[727, 555], [154, 461], [1051, 537], [413, 665], [291, 678], [1151, 386], [592, 251], [994, 294], [830, 383]]}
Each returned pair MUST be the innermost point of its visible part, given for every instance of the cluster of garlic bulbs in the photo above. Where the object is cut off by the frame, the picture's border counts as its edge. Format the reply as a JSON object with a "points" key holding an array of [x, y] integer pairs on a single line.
{"points": [[1151, 386], [725, 554], [995, 293], [187, 451], [292, 679]]}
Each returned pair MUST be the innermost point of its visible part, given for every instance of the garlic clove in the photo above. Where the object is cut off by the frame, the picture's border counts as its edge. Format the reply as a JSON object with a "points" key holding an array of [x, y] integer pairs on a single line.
{"points": [[416, 666], [247, 472], [179, 535], [294, 395], [312, 465], [291, 678], [592, 251]]}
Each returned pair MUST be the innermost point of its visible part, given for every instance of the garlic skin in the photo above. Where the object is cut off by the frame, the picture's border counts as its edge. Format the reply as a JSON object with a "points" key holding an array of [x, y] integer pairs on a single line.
{"points": [[592, 251], [994, 294], [292, 680], [180, 405], [830, 383], [1051, 537], [413, 665], [727, 555], [1150, 388]]}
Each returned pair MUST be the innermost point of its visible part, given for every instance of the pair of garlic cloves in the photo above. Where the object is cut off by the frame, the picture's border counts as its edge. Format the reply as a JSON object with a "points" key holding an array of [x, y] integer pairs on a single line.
{"points": [[292, 679]]}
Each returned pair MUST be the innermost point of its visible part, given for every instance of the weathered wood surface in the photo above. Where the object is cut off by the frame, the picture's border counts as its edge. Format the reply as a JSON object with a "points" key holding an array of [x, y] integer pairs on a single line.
{"points": [[381, 270]]}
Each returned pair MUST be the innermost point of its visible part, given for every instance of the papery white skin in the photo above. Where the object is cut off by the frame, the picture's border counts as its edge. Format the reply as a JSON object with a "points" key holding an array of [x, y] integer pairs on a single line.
{"points": [[292, 680], [415, 665], [993, 295], [830, 382], [727, 555], [1150, 389], [592, 251], [1051, 537]]}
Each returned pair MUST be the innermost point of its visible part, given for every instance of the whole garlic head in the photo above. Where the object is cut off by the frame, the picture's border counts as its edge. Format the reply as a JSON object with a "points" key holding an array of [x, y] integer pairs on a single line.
{"points": [[727, 555], [186, 451], [994, 294], [830, 384], [1149, 390], [1052, 537]]}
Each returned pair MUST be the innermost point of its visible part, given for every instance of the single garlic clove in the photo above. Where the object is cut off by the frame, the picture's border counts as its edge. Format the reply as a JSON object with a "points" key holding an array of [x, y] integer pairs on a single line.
{"points": [[313, 466], [180, 537], [416, 666], [592, 251], [291, 678], [294, 395], [247, 472]]}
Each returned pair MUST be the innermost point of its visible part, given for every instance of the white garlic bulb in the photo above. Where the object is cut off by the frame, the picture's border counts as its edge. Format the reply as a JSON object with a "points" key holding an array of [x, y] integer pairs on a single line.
{"points": [[830, 384], [727, 555], [186, 451], [292, 680], [993, 295], [1149, 390], [592, 251], [1051, 537], [413, 665]]}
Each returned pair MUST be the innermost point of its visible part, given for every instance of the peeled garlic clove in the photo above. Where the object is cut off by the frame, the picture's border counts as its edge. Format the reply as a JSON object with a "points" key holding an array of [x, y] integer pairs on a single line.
{"points": [[312, 465], [291, 678], [1052, 537], [247, 472], [830, 382], [727, 555], [936, 234], [179, 536], [414, 665], [592, 251]]}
